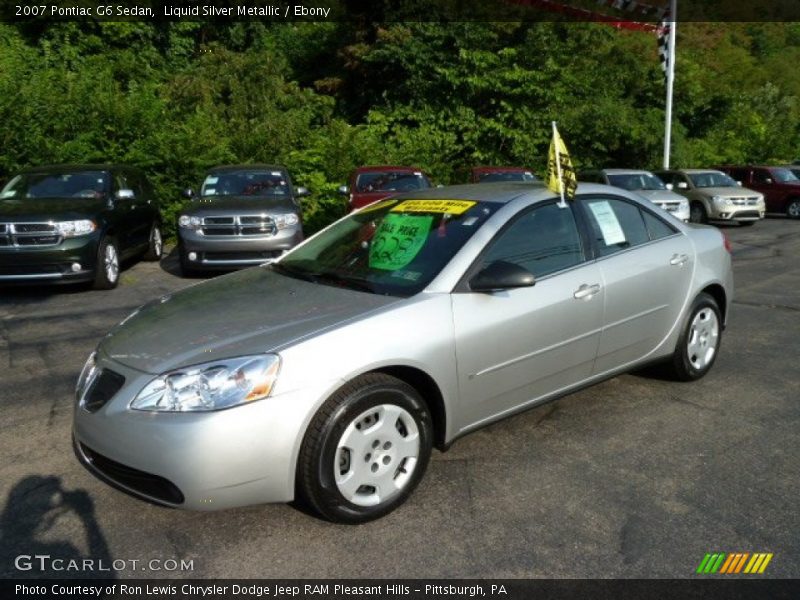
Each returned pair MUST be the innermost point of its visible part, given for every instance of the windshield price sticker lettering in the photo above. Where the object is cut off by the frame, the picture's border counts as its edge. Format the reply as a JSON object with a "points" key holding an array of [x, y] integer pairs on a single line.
{"points": [[448, 207], [398, 240], [211, 180], [608, 223]]}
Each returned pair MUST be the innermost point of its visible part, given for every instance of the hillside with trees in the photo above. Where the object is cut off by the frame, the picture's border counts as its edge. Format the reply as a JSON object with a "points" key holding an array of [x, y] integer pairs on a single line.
{"points": [[321, 98]]}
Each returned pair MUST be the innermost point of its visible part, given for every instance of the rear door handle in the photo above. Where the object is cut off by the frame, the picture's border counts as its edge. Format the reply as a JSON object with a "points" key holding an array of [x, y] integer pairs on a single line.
{"points": [[586, 291], [678, 259]]}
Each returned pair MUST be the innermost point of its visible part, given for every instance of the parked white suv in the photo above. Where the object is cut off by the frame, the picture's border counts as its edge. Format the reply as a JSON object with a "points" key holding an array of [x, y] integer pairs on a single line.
{"points": [[645, 184]]}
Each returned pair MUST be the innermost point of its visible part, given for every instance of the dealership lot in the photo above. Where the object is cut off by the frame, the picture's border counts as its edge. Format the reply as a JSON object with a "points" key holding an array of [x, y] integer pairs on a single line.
{"points": [[635, 477]]}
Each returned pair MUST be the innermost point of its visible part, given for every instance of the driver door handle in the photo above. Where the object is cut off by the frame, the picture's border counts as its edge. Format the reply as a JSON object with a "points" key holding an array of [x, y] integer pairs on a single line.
{"points": [[678, 259], [586, 291]]}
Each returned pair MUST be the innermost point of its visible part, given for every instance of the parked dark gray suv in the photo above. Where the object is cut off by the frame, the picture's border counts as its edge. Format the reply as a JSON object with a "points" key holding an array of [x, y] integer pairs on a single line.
{"points": [[243, 215], [71, 223]]}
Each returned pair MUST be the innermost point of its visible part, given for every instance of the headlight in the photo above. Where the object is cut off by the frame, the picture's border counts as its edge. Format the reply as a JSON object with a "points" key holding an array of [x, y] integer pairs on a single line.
{"points": [[684, 205], [87, 375], [287, 220], [188, 222], [721, 200], [211, 386], [75, 228]]}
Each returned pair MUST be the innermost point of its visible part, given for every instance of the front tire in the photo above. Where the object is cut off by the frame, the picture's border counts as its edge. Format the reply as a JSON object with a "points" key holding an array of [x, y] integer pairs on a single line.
{"points": [[699, 343], [697, 213], [107, 267], [366, 450]]}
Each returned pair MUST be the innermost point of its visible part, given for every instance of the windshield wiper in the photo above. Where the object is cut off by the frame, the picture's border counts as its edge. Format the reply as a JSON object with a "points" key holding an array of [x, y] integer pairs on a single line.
{"points": [[351, 282], [293, 272]]}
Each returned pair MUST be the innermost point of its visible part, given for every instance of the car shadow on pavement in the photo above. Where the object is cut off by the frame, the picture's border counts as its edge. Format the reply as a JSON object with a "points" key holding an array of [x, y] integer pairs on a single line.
{"points": [[38, 536]]}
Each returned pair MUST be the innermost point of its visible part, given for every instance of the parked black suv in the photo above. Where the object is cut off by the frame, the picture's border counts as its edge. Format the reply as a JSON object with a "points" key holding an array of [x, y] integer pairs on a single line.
{"points": [[70, 223], [244, 215]]}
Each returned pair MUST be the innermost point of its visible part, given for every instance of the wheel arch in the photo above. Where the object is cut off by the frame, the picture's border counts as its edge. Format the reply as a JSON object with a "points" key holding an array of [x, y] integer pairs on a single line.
{"points": [[717, 292], [431, 394]]}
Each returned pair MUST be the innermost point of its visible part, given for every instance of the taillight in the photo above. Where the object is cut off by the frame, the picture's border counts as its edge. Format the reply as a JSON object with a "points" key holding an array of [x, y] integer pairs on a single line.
{"points": [[726, 242]]}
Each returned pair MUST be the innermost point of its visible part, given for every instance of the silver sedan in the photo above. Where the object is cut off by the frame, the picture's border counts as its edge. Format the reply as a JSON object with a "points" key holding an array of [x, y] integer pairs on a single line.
{"points": [[330, 374]]}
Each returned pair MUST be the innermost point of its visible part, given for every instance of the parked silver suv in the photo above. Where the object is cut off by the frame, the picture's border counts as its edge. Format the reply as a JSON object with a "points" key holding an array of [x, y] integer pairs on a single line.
{"points": [[244, 215], [645, 184], [714, 196]]}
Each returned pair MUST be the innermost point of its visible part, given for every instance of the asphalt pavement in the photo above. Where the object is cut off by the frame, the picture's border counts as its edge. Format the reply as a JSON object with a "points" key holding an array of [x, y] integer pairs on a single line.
{"points": [[635, 477]]}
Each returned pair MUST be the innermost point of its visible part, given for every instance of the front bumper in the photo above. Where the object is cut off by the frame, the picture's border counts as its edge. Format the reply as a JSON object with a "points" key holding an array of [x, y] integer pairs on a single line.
{"points": [[72, 260], [721, 212], [224, 252], [200, 461]]}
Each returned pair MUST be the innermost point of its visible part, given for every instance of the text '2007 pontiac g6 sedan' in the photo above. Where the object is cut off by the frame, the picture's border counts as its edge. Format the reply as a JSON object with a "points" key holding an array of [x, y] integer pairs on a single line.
{"points": [[331, 373]]}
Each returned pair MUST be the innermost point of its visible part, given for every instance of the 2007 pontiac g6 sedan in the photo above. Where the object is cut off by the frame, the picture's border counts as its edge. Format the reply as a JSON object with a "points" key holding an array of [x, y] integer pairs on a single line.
{"points": [[331, 373]]}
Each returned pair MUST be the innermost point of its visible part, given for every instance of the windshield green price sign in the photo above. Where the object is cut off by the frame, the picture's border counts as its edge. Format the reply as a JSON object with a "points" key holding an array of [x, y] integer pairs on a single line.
{"points": [[398, 240]]}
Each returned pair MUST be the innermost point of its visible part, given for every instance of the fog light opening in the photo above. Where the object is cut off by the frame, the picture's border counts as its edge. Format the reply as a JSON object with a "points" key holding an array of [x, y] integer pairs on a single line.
{"points": [[76, 267], [192, 255]]}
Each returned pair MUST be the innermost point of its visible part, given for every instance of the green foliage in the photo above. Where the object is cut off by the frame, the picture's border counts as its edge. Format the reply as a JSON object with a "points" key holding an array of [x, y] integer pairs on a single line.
{"points": [[323, 98]]}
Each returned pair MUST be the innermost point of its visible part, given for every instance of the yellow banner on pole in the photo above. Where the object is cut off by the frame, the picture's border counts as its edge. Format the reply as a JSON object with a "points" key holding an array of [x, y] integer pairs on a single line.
{"points": [[561, 177]]}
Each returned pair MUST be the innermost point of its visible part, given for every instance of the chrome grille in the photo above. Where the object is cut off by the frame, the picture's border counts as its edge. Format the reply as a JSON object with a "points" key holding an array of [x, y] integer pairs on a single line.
{"points": [[748, 201], [27, 235], [241, 226]]}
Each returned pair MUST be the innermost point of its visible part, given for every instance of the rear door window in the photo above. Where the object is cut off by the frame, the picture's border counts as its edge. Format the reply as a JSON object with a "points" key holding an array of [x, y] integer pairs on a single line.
{"points": [[615, 224]]}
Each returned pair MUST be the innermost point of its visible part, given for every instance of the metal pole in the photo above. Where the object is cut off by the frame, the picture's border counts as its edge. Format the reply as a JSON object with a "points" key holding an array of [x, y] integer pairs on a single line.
{"points": [[673, 15]]}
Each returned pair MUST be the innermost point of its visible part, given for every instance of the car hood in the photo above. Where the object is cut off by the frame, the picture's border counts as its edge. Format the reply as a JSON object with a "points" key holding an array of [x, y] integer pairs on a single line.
{"points": [[364, 198], [248, 312], [728, 192], [240, 205], [50, 209], [660, 195]]}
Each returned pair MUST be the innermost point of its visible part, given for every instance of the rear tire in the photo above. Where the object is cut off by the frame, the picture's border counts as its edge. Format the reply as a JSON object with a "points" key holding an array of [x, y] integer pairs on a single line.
{"points": [[793, 208], [698, 345], [107, 266], [365, 450], [155, 247]]}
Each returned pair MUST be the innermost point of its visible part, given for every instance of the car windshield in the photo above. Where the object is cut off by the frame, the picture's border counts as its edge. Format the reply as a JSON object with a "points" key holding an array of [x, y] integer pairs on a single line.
{"points": [[256, 183], [58, 184], [783, 175], [506, 176], [395, 247], [636, 181], [391, 181], [709, 179]]}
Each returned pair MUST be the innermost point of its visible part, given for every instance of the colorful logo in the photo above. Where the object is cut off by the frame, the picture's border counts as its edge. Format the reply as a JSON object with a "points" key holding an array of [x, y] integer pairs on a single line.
{"points": [[734, 562]]}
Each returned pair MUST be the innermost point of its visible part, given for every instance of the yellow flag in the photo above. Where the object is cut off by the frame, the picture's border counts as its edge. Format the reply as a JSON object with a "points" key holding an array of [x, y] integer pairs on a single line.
{"points": [[560, 174]]}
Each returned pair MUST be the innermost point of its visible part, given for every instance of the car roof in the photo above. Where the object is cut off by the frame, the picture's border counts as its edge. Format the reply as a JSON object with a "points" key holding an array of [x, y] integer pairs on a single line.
{"points": [[500, 192], [625, 171], [367, 169], [688, 171], [76, 168], [254, 166], [485, 169]]}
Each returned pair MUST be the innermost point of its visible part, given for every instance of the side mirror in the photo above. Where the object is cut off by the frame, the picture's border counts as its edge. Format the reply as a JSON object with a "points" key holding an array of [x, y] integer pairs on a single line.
{"points": [[669, 186], [682, 185], [301, 192], [501, 275], [125, 194], [188, 193], [344, 190]]}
